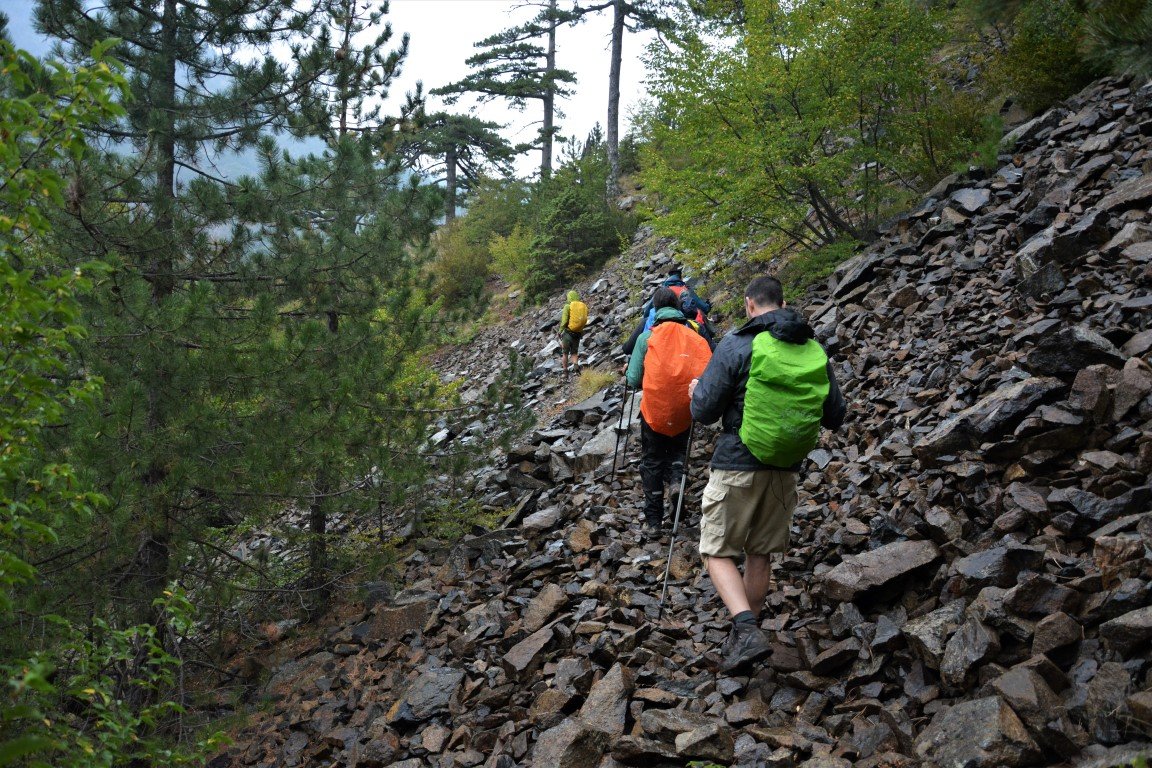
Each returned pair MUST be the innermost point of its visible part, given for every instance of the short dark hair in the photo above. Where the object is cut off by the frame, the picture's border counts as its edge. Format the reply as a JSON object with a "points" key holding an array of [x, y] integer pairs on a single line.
{"points": [[766, 291], [665, 297]]}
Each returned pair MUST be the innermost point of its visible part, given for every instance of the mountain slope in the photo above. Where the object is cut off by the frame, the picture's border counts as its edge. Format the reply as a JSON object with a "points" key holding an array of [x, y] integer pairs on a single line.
{"points": [[969, 581]]}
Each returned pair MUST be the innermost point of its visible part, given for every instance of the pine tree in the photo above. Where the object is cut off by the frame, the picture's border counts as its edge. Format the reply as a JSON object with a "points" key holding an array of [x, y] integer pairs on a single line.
{"points": [[466, 146], [645, 14], [516, 67], [224, 400]]}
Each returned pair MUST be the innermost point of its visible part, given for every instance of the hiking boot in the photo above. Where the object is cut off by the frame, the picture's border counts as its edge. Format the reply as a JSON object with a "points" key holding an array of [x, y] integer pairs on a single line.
{"points": [[746, 645], [653, 529]]}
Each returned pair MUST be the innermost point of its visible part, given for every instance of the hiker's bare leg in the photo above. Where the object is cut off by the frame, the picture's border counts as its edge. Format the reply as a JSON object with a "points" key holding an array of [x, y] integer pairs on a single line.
{"points": [[757, 580], [729, 583]]}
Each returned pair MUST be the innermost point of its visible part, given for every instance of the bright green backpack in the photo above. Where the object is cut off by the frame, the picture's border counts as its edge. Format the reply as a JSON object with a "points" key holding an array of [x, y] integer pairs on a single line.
{"points": [[787, 385]]}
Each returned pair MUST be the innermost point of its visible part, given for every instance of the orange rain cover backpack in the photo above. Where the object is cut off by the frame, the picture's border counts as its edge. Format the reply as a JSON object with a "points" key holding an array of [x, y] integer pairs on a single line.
{"points": [[676, 355]]}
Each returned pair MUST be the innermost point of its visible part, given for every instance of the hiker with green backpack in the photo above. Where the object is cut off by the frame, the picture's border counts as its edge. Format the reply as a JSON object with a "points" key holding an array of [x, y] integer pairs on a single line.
{"points": [[772, 386], [573, 318]]}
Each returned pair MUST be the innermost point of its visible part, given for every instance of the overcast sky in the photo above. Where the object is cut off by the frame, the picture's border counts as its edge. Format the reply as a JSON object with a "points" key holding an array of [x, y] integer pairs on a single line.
{"points": [[443, 33]]}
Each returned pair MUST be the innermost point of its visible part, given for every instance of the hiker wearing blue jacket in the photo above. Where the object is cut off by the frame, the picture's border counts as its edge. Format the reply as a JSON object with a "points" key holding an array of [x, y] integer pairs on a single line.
{"points": [[748, 504]]}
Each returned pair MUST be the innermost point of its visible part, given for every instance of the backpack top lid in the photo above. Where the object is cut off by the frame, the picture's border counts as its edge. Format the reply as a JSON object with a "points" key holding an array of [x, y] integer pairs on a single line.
{"points": [[676, 354]]}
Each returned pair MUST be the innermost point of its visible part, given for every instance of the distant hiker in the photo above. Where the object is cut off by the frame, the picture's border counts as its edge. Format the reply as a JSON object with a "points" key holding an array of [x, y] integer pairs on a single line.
{"points": [[665, 359], [773, 386], [573, 318], [693, 307]]}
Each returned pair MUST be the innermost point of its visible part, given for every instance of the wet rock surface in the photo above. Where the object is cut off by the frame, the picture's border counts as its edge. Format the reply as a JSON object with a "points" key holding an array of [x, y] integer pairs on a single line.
{"points": [[969, 577]]}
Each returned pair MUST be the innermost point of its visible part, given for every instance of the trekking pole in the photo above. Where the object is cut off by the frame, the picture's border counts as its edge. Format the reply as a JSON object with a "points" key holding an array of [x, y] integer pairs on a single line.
{"points": [[627, 429], [620, 427], [676, 518]]}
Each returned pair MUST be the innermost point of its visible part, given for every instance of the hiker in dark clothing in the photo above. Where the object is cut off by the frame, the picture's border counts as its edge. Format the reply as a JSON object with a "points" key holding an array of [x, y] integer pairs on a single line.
{"points": [[691, 306], [665, 359], [748, 504]]}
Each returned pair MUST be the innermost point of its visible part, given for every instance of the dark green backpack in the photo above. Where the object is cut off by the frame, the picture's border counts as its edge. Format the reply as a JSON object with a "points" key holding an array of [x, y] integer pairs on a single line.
{"points": [[784, 402]]}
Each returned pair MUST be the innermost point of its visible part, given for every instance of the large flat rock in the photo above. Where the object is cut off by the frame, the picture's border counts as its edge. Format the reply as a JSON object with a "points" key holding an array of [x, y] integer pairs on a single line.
{"points": [[872, 571]]}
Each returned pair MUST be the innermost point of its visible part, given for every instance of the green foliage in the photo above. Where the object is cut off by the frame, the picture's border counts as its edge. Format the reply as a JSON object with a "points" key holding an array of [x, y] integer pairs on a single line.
{"points": [[576, 228], [100, 699], [461, 266], [258, 338], [43, 108], [465, 147], [630, 154], [496, 207], [88, 695], [1042, 62], [806, 268], [1118, 37], [512, 254], [807, 124], [450, 519], [547, 234]]}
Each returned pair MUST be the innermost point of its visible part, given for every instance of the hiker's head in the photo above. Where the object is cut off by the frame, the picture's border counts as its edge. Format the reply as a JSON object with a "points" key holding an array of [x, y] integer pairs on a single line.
{"points": [[665, 297], [573, 296], [763, 294], [676, 272]]}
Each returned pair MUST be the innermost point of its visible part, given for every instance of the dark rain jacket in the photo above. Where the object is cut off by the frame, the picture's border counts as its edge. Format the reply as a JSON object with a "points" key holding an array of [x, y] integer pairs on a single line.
{"points": [[720, 392]]}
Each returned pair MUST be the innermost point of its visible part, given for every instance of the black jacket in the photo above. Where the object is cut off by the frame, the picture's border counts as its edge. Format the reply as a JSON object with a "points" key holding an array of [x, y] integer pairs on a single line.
{"points": [[720, 391]]}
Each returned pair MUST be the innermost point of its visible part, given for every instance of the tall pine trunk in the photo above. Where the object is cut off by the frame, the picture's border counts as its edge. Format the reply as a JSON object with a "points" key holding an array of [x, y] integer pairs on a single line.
{"points": [[549, 96], [613, 129], [450, 185], [153, 558]]}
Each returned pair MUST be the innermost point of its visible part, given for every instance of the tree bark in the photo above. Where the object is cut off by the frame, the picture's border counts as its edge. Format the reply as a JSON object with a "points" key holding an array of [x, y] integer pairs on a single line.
{"points": [[450, 185], [160, 264], [613, 129], [549, 96], [154, 557]]}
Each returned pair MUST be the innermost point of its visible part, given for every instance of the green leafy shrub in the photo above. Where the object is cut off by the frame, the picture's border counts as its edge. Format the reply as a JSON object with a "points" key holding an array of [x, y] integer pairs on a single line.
{"points": [[1042, 62], [806, 126], [460, 266], [102, 698], [512, 254], [630, 154], [807, 268]]}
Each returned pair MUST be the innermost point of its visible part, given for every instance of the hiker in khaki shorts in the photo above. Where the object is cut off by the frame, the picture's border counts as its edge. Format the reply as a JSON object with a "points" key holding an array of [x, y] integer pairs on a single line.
{"points": [[773, 387]]}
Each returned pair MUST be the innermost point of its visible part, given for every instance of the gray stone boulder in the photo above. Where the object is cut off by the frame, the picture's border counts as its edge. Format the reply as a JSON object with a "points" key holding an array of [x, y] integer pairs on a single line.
{"points": [[983, 733]]}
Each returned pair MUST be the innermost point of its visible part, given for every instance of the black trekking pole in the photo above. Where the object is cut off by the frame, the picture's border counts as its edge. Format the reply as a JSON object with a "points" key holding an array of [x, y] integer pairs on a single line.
{"points": [[627, 430], [676, 518]]}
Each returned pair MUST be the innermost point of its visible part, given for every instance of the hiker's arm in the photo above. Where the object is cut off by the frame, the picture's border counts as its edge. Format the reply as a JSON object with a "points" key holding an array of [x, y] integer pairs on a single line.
{"points": [[635, 373], [835, 409], [630, 345], [564, 317], [715, 387]]}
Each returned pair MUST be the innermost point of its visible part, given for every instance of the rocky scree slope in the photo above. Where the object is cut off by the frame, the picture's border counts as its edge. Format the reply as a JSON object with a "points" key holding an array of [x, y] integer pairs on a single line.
{"points": [[969, 581]]}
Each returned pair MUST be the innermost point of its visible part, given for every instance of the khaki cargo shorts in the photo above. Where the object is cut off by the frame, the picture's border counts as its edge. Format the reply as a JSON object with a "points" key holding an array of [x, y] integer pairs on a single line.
{"points": [[746, 512]]}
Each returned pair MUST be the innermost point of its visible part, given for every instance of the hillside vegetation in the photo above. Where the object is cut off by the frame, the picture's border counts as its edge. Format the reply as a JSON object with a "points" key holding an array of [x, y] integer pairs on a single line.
{"points": [[224, 402]]}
